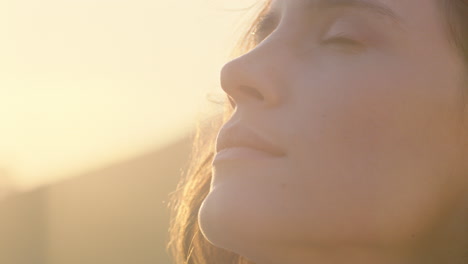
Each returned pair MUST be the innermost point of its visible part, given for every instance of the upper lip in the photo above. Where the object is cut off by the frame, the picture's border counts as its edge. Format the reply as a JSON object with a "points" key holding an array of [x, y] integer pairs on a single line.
{"points": [[241, 136]]}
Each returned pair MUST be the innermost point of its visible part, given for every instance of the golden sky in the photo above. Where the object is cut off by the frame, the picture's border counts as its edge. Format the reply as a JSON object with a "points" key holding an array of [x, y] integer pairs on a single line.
{"points": [[85, 83]]}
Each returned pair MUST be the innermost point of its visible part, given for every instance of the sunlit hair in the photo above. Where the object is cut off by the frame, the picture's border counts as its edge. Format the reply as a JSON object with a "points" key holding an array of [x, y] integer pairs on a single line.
{"points": [[186, 244]]}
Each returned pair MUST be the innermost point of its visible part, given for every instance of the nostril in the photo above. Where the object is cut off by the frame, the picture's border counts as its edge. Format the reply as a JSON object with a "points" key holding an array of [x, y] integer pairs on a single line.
{"points": [[252, 91]]}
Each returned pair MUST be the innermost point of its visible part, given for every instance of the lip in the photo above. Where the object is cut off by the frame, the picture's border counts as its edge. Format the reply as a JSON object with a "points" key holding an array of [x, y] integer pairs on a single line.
{"points": [[242, 154], [237, 142]]}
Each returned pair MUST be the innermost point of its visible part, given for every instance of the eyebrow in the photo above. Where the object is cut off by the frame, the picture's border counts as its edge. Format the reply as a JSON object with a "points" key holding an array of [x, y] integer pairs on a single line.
{"points": [[371, 6], [268, 20]]}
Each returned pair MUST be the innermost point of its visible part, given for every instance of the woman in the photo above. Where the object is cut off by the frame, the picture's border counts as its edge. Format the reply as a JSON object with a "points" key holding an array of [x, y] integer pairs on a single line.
{"points": [[361, 106]]}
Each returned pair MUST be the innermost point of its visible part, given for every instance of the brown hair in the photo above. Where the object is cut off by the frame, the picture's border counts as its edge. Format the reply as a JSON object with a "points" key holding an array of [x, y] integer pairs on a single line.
{"points": [[455, 14], [186, 244]]}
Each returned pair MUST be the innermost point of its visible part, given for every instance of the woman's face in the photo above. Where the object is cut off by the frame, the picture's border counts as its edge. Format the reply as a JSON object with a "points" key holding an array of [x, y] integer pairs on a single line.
{"points": [[372, 129]]}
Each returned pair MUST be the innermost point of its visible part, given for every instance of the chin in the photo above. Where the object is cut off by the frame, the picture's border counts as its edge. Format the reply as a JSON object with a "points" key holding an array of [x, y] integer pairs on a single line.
{"points": [[224, 223]]}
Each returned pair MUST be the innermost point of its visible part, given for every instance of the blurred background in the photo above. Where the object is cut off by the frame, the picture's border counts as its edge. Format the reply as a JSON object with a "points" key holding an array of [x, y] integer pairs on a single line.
{"points": [[98, 100]]}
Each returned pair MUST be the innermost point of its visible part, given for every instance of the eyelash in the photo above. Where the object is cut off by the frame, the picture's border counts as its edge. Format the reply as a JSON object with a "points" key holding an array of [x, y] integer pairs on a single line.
{"points": [[259, 36], [338, 39], [342, 39], [345, 44]]}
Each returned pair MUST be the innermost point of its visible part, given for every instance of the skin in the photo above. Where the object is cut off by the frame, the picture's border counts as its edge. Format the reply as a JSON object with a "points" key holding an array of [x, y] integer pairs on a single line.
{"points": [[376, 166]]}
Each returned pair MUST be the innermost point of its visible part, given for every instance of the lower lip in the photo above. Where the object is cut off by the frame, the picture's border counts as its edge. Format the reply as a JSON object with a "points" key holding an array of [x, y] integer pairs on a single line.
{"points": [[242, 153]]}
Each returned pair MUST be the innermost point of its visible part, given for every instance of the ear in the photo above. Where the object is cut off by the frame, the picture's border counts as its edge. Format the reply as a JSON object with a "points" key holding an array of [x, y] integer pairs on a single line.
{"points": [[464, 139], [465, 126]]}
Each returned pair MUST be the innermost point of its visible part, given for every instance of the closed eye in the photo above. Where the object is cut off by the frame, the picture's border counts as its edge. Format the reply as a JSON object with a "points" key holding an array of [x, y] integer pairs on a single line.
{"points": [[344, 44], [342, 41]]}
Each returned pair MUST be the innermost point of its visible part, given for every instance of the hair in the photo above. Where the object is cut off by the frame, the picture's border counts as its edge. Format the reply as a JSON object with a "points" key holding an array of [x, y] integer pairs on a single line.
{"points": [[186, 243], [456, 19]]}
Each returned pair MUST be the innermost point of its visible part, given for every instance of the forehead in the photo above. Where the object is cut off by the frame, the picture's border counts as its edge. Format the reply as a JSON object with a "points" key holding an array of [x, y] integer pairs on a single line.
{"points": [[413, 12], [319, 7], [423, 22], [377, 6], [391, 4]]}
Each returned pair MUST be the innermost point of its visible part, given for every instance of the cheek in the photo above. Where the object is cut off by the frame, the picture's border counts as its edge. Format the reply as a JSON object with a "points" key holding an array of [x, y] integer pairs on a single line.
{"points": [[383, 136], [380, 114]]}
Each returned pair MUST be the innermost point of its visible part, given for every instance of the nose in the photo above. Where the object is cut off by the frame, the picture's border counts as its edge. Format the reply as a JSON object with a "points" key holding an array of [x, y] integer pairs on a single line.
{"points": [[257, 77]]}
